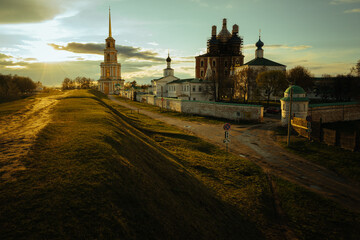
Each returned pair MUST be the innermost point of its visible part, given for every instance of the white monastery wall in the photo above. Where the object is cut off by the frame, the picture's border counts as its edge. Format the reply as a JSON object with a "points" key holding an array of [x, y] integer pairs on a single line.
{"points": [[212, 109]]}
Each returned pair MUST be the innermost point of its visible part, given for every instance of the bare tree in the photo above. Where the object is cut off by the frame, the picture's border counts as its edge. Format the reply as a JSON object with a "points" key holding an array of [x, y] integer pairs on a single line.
{"points": [[243, 82], [300, 76], [271, 83], [355, 71]]}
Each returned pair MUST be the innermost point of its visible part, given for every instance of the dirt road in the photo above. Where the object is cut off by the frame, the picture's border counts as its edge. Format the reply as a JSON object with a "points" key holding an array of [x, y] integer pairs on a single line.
{"points": [[18, 132], [257, 143]]}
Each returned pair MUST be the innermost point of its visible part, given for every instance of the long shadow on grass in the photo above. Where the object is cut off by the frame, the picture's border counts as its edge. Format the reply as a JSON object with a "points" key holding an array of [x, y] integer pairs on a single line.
{"points": [[138, 132]]}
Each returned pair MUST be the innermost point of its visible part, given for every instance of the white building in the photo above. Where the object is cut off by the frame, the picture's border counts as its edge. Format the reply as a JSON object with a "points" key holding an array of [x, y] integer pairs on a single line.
{"points": [[159, 86], [110, 79], [257, 65], [299, 106], [194, 89]]}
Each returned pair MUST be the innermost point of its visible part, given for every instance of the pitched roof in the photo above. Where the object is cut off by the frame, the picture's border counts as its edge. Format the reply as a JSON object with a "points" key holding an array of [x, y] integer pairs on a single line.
{"points": [[263, 62], [191, 80]]}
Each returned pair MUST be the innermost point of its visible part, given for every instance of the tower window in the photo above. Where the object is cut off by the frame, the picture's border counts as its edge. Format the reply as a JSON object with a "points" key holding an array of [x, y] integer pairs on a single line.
{"points": [[108, 44], [202, 73], [213, 63], [225, 63], [108, 57], [213, 73], [202, 63]]}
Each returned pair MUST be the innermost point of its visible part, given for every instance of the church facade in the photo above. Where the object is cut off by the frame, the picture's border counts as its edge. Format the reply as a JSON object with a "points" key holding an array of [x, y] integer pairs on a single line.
{"points": [[159, 86], [110, 81], [224, 50], [257, 65]]}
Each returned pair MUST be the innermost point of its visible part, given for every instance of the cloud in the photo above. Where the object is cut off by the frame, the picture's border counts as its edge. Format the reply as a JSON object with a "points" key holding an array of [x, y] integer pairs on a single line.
{"points": [[53, 73], [201, 3], [355, 10], [153, 43], [98, 48], [4, 56], [344, 1], [299, 47], [25, 11]]}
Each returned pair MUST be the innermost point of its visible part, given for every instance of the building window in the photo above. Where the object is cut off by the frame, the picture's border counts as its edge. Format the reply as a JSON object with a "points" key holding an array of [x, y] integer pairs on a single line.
{"points": [[213, 73], [226, 72], [202, 73], [194, 99], [194, 89], [200, 89], [213, 63], [108, 44], [202, 63], [108, 57], [225, 64]]}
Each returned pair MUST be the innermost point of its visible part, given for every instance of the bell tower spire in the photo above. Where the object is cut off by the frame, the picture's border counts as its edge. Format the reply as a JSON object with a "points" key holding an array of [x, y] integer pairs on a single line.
{"points": [[109, 23]]}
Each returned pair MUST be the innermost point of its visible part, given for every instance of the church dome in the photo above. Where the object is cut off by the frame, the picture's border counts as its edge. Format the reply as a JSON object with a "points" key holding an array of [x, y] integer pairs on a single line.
{"points": [[213, 40], [168, 59], [224, 34], [235, 39], [259, 44]]}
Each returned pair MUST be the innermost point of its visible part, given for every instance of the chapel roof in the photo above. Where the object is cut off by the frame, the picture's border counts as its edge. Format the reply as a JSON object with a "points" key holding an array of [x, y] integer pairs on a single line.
{"points": [[263, 62]]}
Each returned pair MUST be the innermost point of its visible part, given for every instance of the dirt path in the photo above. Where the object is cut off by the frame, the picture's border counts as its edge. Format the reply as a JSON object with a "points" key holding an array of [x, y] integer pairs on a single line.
{"points": [[18, 132], [257, 143]]}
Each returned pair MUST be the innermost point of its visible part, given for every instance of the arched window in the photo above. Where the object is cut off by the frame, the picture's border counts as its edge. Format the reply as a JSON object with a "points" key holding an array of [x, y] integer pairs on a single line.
{"points": [[108, 44], [202, 63], [202, 73], [108, 57], [214, 63]]}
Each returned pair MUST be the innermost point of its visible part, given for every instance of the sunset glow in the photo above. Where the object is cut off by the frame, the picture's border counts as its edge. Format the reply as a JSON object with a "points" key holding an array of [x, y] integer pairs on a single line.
{"points": [[320, 36]]}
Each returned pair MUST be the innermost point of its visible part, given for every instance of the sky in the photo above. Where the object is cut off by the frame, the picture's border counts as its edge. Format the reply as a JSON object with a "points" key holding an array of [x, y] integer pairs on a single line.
{"points": [[48, 40]]}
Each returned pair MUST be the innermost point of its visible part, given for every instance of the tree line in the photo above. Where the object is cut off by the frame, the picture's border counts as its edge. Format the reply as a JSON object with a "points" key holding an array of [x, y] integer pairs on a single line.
{"points": [[262, 84], [14, 86], [78, 83]]}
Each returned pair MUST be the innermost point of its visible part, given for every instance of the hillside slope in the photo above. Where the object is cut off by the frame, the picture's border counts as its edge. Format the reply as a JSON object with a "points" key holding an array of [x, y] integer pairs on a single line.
{"points": [[91, 177]]}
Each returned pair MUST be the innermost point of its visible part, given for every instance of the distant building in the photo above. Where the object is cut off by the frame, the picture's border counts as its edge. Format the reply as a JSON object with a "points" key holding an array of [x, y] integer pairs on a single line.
{"points": [[187, 89], [257, 65], [194, 89], [110, 80], [223, 51], [159, 86]]}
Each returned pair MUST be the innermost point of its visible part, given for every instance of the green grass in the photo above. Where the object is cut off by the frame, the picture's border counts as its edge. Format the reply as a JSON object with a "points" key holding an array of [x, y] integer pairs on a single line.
{"points": [[99, 172], [313, 217], [7, 108], [90, 175], [243, 185], [182, 116], [11, 107], [343, 162]]}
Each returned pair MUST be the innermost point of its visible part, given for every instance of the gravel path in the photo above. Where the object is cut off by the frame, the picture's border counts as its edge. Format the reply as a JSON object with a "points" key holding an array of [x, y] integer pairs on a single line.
{"points": [[257, 143]]}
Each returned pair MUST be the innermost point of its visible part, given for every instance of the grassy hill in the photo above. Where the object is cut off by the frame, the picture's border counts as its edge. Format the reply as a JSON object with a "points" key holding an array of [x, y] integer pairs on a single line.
{"points": [[98, 172]]}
